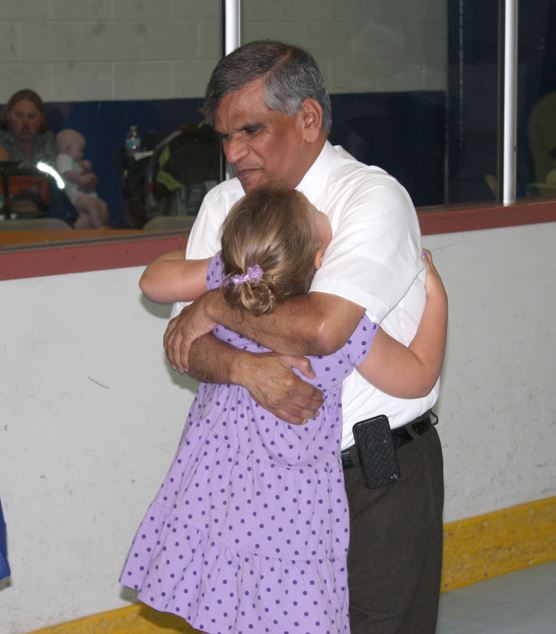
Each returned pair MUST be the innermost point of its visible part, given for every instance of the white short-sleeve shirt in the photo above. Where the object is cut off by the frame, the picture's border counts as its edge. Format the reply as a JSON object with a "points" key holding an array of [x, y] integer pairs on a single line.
{"points": [[65, 163], [374, 260]]}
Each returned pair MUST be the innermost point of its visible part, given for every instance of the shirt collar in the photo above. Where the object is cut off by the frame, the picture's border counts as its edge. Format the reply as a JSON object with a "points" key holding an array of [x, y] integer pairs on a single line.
{"points": [[313, 184]]}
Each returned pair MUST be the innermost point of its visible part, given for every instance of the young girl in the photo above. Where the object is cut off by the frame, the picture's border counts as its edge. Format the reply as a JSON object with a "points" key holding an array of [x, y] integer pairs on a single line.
{"points": [[249, 531]]}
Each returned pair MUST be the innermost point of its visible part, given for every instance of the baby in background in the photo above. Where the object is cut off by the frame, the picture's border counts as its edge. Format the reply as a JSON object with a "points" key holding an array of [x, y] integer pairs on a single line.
{"points": [[80, 180]]}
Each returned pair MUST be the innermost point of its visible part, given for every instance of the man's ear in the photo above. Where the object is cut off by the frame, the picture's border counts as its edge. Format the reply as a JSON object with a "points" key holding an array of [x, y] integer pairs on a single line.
{"points": [[311, 112], [318, 256]]}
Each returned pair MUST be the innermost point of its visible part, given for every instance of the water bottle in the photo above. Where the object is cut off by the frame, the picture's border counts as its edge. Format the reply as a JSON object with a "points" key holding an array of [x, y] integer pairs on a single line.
{"points": [[132, 141]]}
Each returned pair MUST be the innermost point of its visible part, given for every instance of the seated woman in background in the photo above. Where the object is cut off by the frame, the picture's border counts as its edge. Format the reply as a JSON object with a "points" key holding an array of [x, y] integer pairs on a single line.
{"points": [[24, 135], [24, 138]]}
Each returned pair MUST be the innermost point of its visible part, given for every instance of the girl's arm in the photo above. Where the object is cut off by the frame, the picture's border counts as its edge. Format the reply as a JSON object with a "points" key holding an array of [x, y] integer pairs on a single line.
{"points": [[411, 372], [171, 278]]}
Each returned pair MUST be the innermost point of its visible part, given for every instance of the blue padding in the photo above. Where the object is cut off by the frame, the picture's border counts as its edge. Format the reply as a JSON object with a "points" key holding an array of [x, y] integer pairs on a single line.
{"points": [[403, 132], [4, 567], [105, 123]]}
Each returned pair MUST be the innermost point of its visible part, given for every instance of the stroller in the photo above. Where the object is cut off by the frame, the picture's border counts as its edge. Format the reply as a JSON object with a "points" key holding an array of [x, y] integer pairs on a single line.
{"points": [[175, 178]]}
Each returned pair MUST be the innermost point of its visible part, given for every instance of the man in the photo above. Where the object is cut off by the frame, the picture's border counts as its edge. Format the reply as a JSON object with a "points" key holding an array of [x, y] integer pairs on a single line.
{"points": [[267, 102]]}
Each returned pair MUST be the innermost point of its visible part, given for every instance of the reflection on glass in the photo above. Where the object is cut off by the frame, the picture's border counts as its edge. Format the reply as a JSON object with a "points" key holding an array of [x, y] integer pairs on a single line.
{"points": [[103, 67], [414, 85], [473, 169], [177, 174], [414, 88], [385, 66], [536, 151]]}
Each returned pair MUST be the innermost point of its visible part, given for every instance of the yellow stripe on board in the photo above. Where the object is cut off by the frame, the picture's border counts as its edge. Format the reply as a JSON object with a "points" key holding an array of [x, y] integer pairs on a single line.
{"points": [[475, 549], [497, 543], [136, 619]]}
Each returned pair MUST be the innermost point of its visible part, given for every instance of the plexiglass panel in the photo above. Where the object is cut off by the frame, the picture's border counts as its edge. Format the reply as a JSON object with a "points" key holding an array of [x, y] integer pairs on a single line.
{"points": [[413, 85], [536, 153], [473, 101], [102, 67], [385, 66]]}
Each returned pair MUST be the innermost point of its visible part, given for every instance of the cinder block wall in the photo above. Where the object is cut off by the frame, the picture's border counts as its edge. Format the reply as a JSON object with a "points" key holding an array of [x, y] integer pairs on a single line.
{"points": [[85, 50], [94, 50]]}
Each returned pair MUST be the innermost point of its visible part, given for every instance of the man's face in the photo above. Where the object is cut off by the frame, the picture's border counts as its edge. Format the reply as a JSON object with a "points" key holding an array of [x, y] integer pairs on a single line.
{"points": [[264, 146], [24, 120]]}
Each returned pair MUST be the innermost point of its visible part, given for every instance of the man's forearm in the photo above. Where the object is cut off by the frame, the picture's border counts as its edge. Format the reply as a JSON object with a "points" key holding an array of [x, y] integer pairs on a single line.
{"points": [[269, 378], [311, 324], [213, 361]]}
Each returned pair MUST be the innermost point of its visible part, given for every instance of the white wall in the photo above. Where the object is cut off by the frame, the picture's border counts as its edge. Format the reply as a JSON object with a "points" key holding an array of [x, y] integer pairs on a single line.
{"points": [[90, 415], [89, 420], [498, 402], [81, 50]]}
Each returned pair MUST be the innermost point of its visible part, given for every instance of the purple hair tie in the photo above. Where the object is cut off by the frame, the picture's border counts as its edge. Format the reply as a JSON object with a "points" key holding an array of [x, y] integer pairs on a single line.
{"points": [[254, 273]]}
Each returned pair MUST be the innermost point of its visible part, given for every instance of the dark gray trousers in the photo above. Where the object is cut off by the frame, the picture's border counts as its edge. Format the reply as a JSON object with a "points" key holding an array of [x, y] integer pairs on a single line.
{"points": [[395, 554]]}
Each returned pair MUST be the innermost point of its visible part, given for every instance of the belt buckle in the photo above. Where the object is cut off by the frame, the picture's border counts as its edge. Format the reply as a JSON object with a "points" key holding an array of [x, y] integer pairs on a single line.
{"points": [[422, 424]]}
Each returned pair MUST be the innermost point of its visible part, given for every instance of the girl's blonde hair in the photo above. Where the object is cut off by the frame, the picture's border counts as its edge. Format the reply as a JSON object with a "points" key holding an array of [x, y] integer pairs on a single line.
{"points": [[275, 229]]}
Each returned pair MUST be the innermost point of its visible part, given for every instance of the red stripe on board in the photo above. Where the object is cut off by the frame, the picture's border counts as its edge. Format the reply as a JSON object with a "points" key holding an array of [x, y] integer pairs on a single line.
{"points": [[435, 220], [81, 257], [119, 253]]}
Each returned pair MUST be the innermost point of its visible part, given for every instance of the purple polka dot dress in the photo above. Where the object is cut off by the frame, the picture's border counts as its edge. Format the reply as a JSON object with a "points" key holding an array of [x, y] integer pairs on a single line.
{"points": [[249, 531]]}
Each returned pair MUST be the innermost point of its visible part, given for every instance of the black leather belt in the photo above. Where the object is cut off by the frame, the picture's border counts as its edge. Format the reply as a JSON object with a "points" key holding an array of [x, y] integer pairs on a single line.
{"points": [[400, 437]]}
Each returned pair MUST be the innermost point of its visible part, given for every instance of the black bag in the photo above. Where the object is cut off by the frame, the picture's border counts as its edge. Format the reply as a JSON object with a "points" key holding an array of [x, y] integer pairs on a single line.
{"points": [[174, 179], [188, 156], [183, 167]]}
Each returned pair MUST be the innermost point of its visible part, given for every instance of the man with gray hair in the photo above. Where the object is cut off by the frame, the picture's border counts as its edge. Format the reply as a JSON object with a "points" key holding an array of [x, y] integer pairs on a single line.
{"points": [[268, 104]]}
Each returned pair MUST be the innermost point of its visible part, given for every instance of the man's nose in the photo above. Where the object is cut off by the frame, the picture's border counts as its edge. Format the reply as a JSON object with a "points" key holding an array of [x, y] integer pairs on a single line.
{"points": [[235, 149]]}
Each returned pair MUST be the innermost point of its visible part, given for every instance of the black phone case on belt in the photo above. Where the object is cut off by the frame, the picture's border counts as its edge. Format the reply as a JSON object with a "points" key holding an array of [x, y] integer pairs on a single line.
{"points": [[376, 450]]}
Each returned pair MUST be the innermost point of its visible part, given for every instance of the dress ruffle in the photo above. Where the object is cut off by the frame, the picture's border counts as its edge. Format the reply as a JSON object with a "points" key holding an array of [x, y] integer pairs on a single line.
{"points": [[219, 589]]}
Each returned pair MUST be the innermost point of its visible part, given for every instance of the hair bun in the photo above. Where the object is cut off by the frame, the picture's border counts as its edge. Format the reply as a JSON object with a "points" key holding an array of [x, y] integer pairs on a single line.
{"points": [[256, 296]]}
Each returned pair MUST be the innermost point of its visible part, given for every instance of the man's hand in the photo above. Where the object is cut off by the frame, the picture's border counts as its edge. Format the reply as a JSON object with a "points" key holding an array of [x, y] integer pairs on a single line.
{"points": [[270, 380], [183, 330]]}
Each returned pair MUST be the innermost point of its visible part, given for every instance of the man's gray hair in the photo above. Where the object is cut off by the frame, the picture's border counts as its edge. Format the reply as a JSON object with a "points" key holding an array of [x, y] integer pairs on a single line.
{"points": [[291, 75]]}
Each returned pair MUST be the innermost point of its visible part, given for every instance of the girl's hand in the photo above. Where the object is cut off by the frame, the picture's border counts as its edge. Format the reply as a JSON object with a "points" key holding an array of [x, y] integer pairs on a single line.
{"points": [[433, 282]]}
